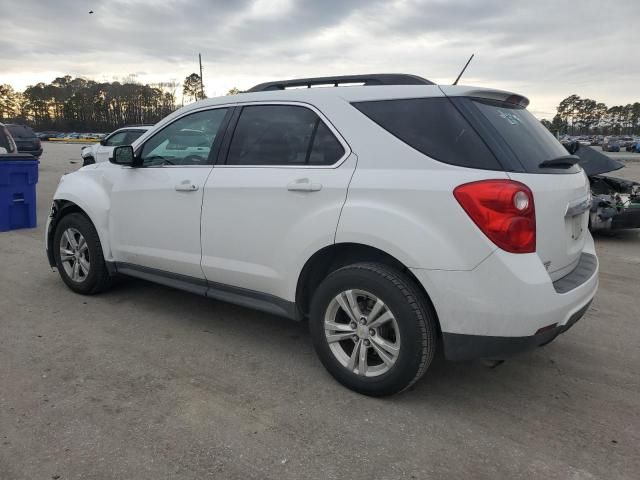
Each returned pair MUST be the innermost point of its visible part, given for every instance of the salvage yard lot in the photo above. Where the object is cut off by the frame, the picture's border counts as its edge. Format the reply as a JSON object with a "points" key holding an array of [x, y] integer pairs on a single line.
{"points": [[148, 382]]}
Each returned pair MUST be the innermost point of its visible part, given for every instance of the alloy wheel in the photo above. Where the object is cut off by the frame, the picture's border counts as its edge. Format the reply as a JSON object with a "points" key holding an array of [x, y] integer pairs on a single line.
{"points": [[362, 333], [74, 255]]}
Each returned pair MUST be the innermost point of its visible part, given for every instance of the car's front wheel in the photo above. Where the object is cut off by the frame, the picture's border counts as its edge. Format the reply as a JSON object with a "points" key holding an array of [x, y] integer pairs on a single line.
{"points": [[78, 255], [372, 328]]}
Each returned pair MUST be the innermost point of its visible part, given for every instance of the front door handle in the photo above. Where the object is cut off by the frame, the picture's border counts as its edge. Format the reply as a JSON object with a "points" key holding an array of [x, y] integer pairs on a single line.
{"points": [[186, 186], [304, 185]]}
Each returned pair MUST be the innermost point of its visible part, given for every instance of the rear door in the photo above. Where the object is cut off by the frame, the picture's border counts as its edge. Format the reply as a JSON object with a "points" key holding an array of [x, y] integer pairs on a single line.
{"points": [[276, 199]]}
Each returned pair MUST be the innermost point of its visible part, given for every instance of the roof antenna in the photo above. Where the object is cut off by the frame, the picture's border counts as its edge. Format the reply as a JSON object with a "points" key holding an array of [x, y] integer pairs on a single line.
{"points": [[465, 67]]}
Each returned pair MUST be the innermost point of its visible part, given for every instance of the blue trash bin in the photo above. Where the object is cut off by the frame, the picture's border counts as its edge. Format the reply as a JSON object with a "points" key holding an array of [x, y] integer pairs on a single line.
{"points": [[18, 179]]}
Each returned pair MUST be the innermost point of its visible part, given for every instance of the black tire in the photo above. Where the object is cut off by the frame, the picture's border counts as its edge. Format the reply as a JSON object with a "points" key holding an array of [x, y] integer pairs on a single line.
{"points": [[98, 278], [413, 313], [88, 161]]}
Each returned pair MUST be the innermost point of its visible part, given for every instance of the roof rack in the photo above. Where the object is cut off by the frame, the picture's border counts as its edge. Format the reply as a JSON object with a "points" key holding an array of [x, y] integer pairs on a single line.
{"points": [[371, 79]]}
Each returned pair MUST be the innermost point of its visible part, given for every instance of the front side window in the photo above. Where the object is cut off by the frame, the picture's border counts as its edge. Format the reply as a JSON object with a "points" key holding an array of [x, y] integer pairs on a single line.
{"points": [[282, 135], [187, 141]]}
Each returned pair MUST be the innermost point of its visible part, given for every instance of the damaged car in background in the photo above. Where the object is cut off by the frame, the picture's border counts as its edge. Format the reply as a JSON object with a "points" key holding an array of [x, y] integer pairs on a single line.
{"points": [[615, 202]]}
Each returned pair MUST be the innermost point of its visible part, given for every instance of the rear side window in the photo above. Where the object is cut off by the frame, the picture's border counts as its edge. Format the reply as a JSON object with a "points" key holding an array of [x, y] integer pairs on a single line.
{"points": [[132, 136], [529, 141], [282, 135], [117, 139], [432, 126]]}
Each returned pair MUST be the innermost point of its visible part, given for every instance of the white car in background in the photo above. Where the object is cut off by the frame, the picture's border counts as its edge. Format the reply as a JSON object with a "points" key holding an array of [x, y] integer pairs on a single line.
{"points": [[101, 151]]}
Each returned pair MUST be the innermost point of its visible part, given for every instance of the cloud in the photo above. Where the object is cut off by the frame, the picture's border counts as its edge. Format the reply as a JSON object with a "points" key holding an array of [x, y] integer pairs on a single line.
{"points": [[543, 49]]}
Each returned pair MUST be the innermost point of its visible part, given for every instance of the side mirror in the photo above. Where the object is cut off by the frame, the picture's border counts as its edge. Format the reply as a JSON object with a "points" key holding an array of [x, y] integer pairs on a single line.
{"points": [[3, 150], [103, 142], [123, 155]]}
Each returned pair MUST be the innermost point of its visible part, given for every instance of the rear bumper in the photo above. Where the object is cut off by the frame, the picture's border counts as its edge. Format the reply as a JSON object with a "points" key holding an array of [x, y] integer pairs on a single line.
{"points": [[507, 304], [466, 347]]}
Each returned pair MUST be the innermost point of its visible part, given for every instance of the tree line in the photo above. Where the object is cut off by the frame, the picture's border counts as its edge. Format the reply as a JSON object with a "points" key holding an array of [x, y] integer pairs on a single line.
{"points": [[584, 116], [77, 104]]}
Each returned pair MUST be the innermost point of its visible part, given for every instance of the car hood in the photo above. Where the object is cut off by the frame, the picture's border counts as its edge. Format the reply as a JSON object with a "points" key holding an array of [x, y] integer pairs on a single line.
{"points": [[594, 162]]}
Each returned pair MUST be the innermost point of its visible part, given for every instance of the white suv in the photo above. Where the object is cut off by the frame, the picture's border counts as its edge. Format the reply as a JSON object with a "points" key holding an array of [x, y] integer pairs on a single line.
{"points": [[393, 215]]}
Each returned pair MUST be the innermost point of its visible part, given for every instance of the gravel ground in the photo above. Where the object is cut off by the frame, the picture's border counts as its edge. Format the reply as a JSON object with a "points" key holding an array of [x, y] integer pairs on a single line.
{"points": [[145, 382]]}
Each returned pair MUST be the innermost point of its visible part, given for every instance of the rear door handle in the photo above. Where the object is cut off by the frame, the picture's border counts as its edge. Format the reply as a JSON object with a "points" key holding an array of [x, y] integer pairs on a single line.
{"points": [[304, 185], [186, 186]]}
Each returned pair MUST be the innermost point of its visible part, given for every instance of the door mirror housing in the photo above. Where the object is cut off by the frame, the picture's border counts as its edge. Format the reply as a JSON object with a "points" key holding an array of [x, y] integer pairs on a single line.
{"points": [[103, 142], [123, 155], [3, 150]]}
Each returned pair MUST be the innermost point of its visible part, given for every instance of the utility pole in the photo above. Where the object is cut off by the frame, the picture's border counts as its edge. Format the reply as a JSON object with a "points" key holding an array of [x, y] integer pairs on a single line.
{"points": [[201, 81]]}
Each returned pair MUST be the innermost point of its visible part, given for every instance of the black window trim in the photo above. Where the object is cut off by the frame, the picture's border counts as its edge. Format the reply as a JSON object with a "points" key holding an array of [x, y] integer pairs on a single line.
{"points": [[222, 158], [215, 148]]}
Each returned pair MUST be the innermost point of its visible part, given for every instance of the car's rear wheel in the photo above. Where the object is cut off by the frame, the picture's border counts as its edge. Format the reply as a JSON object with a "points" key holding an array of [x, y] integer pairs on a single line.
{"points": [[372, 328], [78, 254]]}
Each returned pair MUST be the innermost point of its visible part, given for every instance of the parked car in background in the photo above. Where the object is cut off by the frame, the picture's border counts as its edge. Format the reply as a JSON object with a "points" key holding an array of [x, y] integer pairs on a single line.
{"points": [[611, 144], [633, 146], [101, 151], [45, 136], [7, 144], [339, 205], [26, 139], [626, 141]]}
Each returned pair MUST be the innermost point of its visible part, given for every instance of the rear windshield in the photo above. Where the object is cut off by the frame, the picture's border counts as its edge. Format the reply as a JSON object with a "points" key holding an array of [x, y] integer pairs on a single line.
{"points": [[432, 126], [527, 139], [20, 131]]}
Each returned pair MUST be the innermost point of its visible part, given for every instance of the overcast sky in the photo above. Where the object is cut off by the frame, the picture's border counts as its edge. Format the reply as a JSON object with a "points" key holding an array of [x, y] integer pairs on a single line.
{"points": [[544, 49]]}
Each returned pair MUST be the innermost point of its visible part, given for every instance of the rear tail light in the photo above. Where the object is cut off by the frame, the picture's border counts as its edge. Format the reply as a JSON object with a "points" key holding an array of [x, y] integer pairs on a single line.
{"points": [[503, 210]]}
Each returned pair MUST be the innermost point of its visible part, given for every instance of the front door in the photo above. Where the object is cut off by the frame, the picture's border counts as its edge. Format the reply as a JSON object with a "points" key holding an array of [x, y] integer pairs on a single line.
{"points": [[156, 208]]}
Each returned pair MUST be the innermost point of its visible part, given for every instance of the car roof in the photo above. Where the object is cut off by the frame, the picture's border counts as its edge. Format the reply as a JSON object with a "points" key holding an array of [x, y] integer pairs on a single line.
{"points": [[349, 94]]}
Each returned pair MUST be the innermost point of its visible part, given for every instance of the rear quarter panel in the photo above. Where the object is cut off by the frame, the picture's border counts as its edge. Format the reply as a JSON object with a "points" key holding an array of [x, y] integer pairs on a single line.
{"points": [[401, 201]]}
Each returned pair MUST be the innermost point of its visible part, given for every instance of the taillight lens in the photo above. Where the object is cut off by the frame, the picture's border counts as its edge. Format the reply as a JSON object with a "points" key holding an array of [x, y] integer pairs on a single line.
{"points": [[503, 210]]}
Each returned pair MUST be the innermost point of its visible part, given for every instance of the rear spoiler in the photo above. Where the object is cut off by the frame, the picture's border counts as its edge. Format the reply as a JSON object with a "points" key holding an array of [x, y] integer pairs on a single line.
{"points": [[489, 94]]}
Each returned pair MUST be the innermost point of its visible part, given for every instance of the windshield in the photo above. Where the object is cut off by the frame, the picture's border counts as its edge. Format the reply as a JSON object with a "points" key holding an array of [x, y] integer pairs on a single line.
{"points": [[529, 141]]}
